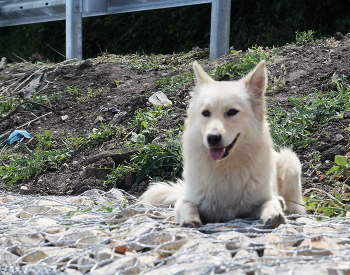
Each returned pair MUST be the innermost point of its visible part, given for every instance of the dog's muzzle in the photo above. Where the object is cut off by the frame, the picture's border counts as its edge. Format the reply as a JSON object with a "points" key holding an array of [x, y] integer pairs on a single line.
{"points": [[220, 153]]}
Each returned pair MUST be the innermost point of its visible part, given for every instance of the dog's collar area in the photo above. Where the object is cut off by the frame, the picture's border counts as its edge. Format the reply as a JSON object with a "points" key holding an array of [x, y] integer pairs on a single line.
{"points": [[228, 148]]}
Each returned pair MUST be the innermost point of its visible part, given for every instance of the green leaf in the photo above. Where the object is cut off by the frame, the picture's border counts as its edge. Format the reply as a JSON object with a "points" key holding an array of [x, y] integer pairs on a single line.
{"points": [[47, 133], [340, 160], [337, 196], [334, 168]]}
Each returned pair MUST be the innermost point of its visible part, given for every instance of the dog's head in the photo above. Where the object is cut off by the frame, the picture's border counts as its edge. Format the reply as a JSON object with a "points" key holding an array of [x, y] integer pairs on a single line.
{"points": [[228, 112]]}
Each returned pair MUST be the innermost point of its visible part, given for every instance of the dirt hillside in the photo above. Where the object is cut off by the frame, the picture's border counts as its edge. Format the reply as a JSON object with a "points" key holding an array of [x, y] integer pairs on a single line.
{"points": [[94, 91]]}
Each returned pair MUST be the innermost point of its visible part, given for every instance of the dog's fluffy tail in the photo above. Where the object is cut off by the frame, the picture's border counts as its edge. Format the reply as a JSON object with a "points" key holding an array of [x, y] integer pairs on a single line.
{"points": [[289, 173], [163, 193]]}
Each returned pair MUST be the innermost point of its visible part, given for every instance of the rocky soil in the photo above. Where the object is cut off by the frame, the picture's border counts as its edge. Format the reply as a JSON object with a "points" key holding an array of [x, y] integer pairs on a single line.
{"points": [[101, 233], [124, 84]]}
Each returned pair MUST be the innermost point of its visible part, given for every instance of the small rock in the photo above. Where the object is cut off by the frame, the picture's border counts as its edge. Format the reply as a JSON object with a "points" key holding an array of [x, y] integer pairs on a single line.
{"points": [[99, 119], [115, 266], [49, 254], [276, 247], [64, 167], [329, 154], [117, 118], [293, 87], [7, 257], [180, 237], [104, 254], [3, 62], [64, 118], [24, 190], [43, 223], [144, 235], [46, 207], [338, 137], [320, 246], [234, 240], [244, 256], [21, 239], [332, 86], [70, 271], [304, 220], [197, 252], [3, 211], [85, 238], [85, 264], [160, 99], [322, 146], [338, 36]]}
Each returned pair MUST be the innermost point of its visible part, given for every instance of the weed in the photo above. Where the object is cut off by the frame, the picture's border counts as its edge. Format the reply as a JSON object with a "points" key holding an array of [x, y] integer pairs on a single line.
{"points": [[145, 62], [44, 142], [294, 127], [145, 123], [91, 94], [342, 167], [105, 133], [171, 84], [118, 173], [124, 202], [316, 159], [7, 104], [55, 96], [156, 161], [25, 166], [72, 91], [39, 98], [320, 202], [304, 37], [245, 64], [160, 162]]}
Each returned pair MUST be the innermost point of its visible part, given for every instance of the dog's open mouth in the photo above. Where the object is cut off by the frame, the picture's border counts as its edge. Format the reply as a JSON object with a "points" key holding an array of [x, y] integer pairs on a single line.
{"points": [[220, 153]]}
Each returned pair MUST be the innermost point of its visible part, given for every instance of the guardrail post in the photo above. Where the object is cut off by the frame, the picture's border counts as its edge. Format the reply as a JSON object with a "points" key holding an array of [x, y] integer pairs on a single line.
{"points": [[220, 28], [74, 28]]}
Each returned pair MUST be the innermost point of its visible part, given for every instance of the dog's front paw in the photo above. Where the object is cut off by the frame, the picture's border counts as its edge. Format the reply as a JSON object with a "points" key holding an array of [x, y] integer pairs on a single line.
{"points": [[191, 223], [274, 220]]}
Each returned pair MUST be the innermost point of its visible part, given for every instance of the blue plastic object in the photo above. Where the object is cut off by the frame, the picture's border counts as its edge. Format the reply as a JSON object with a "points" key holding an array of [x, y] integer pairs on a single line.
{"points": [[15, 136]]}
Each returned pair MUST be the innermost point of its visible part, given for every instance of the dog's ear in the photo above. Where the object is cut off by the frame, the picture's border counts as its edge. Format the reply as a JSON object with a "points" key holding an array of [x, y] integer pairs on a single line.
{"points": [[201, 75], [256, 80]]}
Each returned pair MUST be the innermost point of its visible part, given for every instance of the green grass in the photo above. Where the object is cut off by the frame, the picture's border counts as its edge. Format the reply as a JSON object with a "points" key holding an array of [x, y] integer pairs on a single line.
{"points": [[302, 38], [155, 162], [22, 165], [144, 125], [245, 64], [172, 84], [19, 166], [295, 127], [323, 203]]}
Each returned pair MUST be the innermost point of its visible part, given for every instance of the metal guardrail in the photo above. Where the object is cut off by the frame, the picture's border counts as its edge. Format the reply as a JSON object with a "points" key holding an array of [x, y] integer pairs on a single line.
{"points": [[19, 12]]}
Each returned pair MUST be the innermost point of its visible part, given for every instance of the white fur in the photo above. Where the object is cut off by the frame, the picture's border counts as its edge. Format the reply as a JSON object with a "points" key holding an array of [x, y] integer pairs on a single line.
{"points": [[253, 180]]}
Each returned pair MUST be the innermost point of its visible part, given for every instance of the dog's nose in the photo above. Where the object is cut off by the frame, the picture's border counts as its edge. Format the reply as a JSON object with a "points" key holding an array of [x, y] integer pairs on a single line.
{"points": [[214, 139]]}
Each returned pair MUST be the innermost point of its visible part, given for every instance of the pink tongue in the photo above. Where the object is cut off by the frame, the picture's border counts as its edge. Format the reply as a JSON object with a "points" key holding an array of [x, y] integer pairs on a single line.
{"points": [[216, 153]]}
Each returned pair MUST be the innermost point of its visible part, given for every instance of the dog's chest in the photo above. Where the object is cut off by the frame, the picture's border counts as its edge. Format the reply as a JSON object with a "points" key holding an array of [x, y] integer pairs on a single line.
{"points": [[224, 204]]}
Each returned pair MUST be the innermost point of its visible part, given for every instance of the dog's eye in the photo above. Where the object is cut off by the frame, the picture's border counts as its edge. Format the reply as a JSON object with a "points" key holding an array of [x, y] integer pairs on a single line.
{"points": [[206, 113], [232, 112]]}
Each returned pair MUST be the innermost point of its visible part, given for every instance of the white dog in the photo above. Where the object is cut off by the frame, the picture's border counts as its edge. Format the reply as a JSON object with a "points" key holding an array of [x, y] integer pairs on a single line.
{"points": [[231, 169]]}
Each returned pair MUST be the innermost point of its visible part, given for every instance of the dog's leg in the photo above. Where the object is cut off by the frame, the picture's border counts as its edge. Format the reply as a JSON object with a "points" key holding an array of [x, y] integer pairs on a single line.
{"points": [[186, 214], [272, 213], [289, 183]]}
